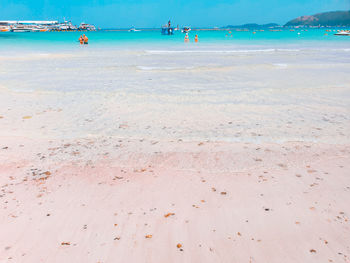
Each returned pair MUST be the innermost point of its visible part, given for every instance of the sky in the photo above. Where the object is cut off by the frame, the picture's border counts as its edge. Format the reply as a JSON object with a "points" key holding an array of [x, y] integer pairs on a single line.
{"points": [[152, 13]]}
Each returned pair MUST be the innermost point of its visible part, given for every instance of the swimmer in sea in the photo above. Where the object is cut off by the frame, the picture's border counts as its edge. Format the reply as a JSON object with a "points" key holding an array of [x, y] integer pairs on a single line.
{"points": [[86, 40], [81, 40], [187, 39]]}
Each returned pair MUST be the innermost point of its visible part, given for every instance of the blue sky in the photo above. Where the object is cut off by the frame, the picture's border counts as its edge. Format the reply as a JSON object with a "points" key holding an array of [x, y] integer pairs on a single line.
{"points": [[152, 13]]}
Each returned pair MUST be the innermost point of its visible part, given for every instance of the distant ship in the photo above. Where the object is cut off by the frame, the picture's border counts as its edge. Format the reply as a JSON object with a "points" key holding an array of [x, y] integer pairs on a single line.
{"points": [[167, 29], [133, 29], [343, 33], [5, 28], [66, 26], [43, 26], [21, 28], [87, 27], [186, 29], [28, 28]]}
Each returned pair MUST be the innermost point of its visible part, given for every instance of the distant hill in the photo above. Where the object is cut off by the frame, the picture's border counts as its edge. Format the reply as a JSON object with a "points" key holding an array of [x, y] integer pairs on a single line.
{"points": [[253, 26], [336, 18]]}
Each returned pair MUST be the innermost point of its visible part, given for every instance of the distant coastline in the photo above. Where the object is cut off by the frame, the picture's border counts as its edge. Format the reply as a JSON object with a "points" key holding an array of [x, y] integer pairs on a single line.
{"points": [[327, 19], [334, 19]]}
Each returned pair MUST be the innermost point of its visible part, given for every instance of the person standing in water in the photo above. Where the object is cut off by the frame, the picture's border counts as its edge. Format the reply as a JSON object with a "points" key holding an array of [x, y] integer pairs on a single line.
{"points": [[196, 39], [81, 40], [86, 40], [187, 39]]}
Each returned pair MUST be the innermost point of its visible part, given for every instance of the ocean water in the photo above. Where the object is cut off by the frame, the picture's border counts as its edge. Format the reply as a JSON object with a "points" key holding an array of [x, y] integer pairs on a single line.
{"points": [[143, 39], [268, 86]]}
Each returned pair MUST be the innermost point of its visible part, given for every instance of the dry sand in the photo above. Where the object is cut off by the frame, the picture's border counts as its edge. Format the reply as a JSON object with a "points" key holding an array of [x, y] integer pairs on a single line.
{"points": [[223, 202]]}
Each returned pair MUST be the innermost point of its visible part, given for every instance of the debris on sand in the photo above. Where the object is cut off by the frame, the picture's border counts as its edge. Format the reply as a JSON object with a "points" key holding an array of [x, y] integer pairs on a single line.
{"points": [[65, 244], [169, 214]]}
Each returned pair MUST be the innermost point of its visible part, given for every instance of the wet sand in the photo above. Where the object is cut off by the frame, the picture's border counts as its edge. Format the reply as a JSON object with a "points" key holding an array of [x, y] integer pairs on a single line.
{"points": [[186, 173]]}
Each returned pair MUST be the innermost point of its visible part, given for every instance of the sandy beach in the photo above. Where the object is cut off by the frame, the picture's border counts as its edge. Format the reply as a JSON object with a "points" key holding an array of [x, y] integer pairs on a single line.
{"points": [[149, 156]]}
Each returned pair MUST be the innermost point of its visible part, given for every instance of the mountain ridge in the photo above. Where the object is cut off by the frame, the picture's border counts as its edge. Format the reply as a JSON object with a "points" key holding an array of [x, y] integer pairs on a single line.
{"points": [[333, 18]]}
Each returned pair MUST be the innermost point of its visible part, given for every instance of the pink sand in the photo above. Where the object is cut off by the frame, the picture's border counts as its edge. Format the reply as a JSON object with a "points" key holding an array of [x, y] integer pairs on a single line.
{"points": [[232, 202]]}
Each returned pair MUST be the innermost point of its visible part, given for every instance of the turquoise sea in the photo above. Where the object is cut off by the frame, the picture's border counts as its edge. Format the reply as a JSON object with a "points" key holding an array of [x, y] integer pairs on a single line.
{"points": [[311, 38]]}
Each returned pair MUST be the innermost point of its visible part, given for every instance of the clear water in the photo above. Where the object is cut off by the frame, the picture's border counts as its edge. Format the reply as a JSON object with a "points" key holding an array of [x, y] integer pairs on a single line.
{"points": [[273, 86], [312, 38]]}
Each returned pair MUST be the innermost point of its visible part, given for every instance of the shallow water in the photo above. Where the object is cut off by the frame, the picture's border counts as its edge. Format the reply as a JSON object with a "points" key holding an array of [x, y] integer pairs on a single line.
{"points": [[269, 89], [121, 39]]}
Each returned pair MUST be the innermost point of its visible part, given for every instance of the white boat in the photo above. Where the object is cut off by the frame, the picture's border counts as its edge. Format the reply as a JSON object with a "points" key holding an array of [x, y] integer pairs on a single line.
{"points": [[133, 29], [36, 28], [87, 27], [65, 26], [4, 28], [343, 33], [21, 28]]}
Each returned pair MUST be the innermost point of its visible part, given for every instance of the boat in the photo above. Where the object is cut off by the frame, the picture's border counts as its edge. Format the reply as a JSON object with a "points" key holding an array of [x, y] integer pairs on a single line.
{"points": [[4, 28], [87, 27], [43, 26], [186, 29], [29, 28], [21, 28], [39, 29], [343, 33], [167, 30], [64, 26], [133, 29]]}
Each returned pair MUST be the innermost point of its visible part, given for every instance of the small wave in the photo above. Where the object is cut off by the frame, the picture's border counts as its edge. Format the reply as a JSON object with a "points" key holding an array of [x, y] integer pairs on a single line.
{"points": [[23, 90], [287, 50], [146, 68], [221, 51], [280, 65]]}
